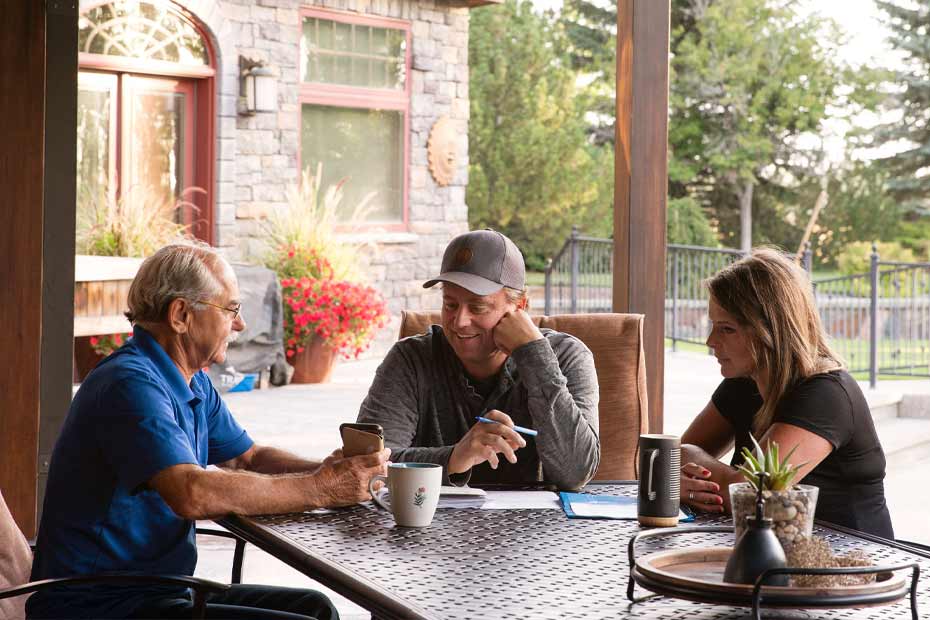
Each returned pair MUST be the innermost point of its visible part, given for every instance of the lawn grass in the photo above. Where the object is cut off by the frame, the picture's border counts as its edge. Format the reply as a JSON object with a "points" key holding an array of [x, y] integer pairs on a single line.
{"points": [[535, 278], [690, 347]]}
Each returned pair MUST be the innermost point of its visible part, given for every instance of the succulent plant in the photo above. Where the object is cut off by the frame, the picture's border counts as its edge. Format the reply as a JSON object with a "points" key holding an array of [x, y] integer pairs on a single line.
{"points": [[780, 473]]}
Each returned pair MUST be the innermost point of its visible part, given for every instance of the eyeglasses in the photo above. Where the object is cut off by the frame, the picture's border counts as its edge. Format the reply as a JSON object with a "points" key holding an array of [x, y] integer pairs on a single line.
{"points": [[234, 309]]}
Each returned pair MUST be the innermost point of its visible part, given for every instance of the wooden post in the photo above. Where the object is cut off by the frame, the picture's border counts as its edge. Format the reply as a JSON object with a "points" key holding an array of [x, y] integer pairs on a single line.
{"points": [[641, 179], [22, 108]]}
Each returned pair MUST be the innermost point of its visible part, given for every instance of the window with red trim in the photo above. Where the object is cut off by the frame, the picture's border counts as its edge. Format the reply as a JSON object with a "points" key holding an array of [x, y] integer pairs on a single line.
{"points": [[145, 120], [354, 110]]}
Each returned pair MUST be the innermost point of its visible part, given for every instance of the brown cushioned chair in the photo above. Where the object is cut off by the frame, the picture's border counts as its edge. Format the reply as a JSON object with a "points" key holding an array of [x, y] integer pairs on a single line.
{"points": [[616, 340], [16, 566]]}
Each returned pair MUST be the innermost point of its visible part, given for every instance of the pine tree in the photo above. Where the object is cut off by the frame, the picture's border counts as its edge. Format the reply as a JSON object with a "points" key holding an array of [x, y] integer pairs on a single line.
{"points": [[909, 182]]}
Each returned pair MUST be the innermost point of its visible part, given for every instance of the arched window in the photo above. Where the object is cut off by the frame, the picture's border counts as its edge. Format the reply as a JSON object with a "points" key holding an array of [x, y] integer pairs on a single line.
{"points": [[141, 30], [145, 117]]}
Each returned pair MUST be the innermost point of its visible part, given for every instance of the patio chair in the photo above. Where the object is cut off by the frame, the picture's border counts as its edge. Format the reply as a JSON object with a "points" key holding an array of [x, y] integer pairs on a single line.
{"points": [[616, 340], [16, 565]]}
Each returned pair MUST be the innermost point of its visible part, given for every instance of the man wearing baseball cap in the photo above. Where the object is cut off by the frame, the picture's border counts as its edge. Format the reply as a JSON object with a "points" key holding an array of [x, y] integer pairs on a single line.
{"points": [[488, 359]]}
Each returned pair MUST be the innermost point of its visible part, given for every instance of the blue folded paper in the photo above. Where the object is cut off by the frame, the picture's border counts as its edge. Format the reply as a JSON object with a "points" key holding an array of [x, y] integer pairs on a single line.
{"points": [[589, 506]]}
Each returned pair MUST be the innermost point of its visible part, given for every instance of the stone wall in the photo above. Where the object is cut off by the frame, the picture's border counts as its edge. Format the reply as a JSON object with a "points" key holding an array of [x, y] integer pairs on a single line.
{"points": [[258, 155]]}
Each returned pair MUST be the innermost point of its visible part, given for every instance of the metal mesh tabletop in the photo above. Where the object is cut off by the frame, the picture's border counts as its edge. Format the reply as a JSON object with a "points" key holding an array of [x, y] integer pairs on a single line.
{"points": [[473, 563]]}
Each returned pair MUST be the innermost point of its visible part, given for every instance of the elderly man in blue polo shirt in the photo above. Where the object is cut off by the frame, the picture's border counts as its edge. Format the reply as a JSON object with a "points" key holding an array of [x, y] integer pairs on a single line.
{"points": [[128, 474]]}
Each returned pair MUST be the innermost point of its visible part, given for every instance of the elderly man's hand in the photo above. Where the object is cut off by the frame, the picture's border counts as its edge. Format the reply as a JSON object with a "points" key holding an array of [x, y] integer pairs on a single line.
{"points": [[344, 481], [484, 441], [514, 330]]}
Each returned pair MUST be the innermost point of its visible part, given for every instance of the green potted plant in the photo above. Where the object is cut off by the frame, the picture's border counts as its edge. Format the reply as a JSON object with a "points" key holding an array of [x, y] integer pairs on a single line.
{"points": [[328, 311], [790, 506]]}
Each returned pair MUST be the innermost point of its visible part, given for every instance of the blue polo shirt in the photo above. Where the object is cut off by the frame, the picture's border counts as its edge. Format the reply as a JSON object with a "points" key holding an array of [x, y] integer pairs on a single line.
{"points": [[132, 417]]}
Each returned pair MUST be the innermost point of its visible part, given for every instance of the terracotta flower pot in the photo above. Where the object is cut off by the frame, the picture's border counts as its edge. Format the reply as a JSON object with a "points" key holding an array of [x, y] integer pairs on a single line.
{"points": [[314, 364]]}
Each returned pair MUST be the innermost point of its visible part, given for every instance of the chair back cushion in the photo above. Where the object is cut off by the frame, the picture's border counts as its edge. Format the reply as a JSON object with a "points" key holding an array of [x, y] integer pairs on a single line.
{"points": [[15, 563], [616, 340]]}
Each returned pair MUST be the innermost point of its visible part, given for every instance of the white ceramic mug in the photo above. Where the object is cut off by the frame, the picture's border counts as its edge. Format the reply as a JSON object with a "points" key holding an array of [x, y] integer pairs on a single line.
{"points": [[414, 491]]}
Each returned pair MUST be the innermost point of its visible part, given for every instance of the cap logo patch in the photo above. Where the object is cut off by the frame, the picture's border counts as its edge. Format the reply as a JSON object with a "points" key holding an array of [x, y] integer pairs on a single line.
{"points": [[462, 257]]}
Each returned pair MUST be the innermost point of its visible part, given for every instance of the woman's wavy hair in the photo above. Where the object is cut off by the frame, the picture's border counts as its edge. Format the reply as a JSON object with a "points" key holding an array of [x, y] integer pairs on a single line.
{"points": [[771, 296]]}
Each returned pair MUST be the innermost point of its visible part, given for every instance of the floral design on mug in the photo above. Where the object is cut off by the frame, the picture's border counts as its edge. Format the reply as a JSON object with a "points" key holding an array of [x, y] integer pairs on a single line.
{"points": [[419, 497]]}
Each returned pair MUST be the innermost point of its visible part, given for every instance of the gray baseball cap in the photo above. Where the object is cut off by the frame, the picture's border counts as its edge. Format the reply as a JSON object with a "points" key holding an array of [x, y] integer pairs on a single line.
{"points": [[483, 262]]}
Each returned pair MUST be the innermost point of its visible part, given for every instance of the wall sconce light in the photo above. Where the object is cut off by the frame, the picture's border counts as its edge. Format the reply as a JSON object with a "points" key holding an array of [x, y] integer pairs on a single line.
{"points": [[259, 86]]}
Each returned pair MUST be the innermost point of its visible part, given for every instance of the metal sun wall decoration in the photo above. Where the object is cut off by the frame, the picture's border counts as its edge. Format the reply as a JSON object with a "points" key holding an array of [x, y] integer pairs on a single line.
{"points": [[442, 152]]}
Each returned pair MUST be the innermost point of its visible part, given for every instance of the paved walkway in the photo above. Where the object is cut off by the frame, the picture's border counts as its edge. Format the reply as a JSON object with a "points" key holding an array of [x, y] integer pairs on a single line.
{"points": [[305, 419]]}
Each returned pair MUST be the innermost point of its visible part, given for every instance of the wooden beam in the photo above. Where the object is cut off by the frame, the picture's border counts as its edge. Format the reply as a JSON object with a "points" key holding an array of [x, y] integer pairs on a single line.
{"points": [[22, 108], [61, 30], [641, 179]]}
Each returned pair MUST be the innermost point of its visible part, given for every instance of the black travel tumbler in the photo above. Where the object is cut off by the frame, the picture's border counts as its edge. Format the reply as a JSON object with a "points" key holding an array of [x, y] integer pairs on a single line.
{"points": [[659, 480]]}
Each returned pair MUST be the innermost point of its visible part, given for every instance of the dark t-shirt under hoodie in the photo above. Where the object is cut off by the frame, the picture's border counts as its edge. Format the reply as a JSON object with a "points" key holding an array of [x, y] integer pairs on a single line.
{"points": [[832, 406]]}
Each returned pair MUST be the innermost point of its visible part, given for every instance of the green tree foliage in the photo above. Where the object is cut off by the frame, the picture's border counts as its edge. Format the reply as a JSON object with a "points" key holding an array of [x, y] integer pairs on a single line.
{"points": [[749, 78], [687, 224], [909, 23], [532, 171], [591, 45], [859, 209], [856, 257]]}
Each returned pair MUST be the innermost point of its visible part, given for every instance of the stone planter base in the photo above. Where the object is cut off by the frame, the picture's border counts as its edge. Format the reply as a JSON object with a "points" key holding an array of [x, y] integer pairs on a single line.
{"points": [[314, 364], [792, 510]]}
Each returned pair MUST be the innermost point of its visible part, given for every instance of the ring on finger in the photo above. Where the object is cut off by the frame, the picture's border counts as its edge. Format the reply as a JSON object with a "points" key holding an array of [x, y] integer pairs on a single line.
{"points": [[690, 496]]}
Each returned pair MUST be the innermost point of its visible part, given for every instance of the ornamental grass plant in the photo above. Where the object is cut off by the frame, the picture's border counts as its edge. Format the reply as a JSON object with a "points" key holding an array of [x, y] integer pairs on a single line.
{"points": [[136, 224], [310, 222], [320, 273]]}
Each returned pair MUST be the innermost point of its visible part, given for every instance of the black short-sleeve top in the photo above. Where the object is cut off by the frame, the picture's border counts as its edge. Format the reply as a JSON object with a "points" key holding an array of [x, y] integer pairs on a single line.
{"points": [[830, 405]]}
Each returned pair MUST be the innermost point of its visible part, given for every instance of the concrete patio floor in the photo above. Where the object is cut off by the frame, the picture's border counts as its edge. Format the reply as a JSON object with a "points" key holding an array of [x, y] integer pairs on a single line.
{"points": [[305, 419]]}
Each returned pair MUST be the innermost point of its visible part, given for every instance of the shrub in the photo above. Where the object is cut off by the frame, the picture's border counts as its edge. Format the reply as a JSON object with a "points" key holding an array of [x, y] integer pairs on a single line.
{"points": [[857, 255]]}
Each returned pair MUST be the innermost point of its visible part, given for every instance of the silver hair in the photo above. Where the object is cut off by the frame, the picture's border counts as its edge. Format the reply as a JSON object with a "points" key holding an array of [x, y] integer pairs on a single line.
{"points": [[188, 271]]}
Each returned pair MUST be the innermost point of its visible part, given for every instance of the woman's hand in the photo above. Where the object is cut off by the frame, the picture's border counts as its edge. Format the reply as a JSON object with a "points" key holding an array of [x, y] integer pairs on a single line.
{"points": [[698, 491]]}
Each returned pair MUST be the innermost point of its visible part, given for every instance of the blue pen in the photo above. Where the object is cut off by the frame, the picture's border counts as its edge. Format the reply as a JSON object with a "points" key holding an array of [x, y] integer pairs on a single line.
{"points": [[519, 429]]}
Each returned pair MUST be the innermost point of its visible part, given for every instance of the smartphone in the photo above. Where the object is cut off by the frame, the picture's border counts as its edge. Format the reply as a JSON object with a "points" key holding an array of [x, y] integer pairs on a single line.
{"points": [[359, 438]]}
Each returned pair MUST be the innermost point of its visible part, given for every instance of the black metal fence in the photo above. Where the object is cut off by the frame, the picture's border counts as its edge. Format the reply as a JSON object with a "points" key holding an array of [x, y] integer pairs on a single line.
{"points": [[879, 322], [580, 276]]}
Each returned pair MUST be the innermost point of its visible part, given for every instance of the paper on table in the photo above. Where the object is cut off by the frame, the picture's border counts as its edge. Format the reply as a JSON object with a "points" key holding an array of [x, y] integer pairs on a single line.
{"points": [[614, 511], [503, 500], [461, 497]]}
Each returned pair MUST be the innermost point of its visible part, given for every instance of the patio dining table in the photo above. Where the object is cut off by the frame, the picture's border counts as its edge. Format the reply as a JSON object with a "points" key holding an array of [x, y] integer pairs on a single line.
{"points": [[521, 563]]}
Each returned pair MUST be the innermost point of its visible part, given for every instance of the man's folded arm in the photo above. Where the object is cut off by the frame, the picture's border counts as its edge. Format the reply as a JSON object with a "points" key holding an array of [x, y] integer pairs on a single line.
{"points": [[562, 398]]}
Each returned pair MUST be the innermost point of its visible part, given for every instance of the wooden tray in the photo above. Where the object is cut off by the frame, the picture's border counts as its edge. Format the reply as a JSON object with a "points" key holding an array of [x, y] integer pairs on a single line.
{"points": [[696, 573]]}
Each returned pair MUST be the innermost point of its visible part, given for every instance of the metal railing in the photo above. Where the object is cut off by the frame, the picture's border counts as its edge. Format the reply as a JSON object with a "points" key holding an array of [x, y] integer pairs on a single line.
{"points": [[879, 322], [579, 278], [686, 268]]}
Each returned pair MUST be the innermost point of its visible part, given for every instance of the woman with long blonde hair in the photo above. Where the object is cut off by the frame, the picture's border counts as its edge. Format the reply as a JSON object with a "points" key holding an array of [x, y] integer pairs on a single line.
{"points": [[783, 384]]}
